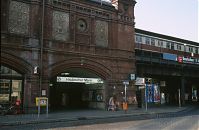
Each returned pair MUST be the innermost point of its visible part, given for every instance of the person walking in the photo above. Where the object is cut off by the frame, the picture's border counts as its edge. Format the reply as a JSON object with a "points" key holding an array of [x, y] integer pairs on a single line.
{"points": [[112, 105]]}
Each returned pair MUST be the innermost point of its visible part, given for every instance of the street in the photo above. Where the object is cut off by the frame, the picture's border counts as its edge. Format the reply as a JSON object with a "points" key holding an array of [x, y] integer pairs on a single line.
{"points": [[174, 123], [185, 120]]}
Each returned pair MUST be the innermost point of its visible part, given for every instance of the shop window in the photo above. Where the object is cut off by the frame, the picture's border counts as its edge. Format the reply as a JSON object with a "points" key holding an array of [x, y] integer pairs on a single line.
{"points": [[4, 90], [10, 88], [16, 89]]}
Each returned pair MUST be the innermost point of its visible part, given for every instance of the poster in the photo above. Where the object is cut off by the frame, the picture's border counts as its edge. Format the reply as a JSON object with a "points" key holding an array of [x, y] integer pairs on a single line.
{"points": [[156, 93], [152, 93]]}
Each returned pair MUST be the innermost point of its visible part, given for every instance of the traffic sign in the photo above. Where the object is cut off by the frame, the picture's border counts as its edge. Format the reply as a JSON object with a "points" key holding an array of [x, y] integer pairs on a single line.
{"points": [[126, 82]]}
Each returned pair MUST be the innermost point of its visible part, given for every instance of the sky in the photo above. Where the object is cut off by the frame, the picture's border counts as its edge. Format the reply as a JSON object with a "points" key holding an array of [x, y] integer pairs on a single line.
{"points": [[177, 18]]}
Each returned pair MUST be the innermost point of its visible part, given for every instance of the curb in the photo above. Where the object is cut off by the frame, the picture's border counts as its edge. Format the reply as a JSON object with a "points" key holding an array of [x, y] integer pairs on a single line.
{"points": [[39, 121]]}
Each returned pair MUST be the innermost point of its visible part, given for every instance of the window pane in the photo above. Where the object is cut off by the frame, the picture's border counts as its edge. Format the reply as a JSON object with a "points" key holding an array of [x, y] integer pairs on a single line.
{"points": [[4, 90], [172, 46], [179, 47], [152, 41], [196, 50], [168, 45], [147, 41], [16, 89], [5, 71]]}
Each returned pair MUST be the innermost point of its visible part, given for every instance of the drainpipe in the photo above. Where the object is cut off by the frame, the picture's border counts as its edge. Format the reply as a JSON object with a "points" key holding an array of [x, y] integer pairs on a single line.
{"points": [[41, 47]]}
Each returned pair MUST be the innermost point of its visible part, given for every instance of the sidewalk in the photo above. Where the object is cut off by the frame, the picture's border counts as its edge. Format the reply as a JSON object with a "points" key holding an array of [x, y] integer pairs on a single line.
{"points": [[74, 115]]}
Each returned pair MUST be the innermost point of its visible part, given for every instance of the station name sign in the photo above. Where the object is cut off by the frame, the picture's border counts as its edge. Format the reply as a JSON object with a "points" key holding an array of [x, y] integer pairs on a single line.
{"points": [[79, 80], [182, 59]]}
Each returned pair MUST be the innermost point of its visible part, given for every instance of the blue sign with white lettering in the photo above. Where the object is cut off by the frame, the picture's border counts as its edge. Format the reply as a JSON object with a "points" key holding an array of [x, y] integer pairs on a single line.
{"points": [[168, 56]]}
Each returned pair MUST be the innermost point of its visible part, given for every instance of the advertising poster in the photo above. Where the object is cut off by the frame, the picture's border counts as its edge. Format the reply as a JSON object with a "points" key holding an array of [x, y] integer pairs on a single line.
{"points": [[152, 93], [149, 93], [156, 93]]}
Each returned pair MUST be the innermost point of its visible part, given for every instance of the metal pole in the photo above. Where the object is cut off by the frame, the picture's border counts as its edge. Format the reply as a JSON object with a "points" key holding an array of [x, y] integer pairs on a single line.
{"points": [[41, 47], [125, 92], [47, 107], [146, 105], [192, 94], [179, 98], [38, 107]]}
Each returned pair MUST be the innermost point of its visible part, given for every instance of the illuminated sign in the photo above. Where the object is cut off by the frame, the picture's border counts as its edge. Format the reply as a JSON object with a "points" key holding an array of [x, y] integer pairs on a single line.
{"points": [[180, 59], [79, 80], [140, 81], [191, 60]]}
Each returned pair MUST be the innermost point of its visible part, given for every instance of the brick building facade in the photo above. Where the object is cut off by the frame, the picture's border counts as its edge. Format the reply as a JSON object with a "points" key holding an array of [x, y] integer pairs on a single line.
{"points": [[88, 38]]}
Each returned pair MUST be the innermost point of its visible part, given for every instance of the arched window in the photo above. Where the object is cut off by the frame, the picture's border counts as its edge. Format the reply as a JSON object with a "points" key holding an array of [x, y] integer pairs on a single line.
{"points": [[10, 85]]}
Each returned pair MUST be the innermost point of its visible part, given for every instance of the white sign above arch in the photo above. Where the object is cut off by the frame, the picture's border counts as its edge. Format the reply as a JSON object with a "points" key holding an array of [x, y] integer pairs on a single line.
{"points": [[79, 80]]}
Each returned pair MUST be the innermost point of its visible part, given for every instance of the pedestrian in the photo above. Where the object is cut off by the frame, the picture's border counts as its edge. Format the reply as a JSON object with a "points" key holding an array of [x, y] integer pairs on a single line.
{"points": [[111, 106]]}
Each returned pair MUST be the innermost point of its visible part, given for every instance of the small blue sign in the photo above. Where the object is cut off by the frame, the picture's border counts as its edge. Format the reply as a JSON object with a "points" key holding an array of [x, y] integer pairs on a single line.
{"points": [[168, 56]]}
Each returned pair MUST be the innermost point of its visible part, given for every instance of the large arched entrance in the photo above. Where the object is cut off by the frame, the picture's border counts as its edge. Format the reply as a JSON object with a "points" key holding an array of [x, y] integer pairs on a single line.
{"points": [[77, 88], [11, 88]]}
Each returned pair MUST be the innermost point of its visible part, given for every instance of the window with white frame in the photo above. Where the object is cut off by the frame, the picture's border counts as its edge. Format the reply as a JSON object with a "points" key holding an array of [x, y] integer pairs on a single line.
{"points": [[172, 45], [147, 41], [152, 41], [160, 43], [196, 50], [190, 49], [168, 45], [179, 47], [138, 38]]}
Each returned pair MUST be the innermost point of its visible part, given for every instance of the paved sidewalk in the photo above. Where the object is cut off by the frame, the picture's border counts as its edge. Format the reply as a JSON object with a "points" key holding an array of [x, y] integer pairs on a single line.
{"points": [[74, 115]]}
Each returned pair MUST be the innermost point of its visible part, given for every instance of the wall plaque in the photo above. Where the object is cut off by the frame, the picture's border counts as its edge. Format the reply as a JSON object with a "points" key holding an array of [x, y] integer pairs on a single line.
{"points": [[18, 18], [60, 26], [101, 33]]}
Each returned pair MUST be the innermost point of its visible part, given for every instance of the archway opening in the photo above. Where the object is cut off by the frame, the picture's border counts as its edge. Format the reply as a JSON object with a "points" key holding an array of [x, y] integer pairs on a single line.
{"points": [[76, 88], [11, 86]]}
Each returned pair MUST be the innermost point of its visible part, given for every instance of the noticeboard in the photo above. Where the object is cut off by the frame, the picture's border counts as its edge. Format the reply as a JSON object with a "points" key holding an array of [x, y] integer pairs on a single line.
{"points": [[42, 101]]}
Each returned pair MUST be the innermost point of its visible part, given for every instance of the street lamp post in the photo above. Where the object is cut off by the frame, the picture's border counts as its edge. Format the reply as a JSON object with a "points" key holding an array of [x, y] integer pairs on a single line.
{"points": [[41, 47]]}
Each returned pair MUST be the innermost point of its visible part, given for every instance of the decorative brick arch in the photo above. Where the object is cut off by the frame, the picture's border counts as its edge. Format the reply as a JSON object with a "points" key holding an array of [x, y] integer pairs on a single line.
{"points": [[84, 63], [16, 63]]}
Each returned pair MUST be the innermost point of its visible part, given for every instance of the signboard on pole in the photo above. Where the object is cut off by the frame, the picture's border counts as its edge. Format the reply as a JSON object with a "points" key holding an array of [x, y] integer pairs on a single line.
{"points": [[140, 81], [42, 101], [132, 76], [126, 82]]}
